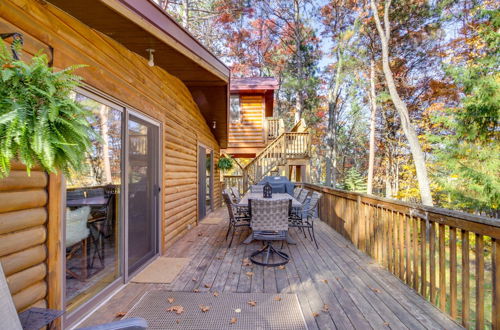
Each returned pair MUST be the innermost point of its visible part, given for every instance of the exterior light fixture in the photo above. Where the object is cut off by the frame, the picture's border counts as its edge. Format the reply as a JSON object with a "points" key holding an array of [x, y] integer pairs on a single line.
{"points": [[151, 61], [214, 124]]}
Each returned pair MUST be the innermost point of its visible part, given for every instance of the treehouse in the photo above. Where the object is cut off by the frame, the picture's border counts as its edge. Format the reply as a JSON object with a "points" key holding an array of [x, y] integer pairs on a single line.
{"points": [[254, 133], [143, 219]]}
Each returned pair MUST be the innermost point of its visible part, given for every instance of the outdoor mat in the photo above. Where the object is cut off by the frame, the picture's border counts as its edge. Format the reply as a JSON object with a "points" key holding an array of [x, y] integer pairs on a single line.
{"points": [[188, 310], [211, 221], [162, 270]]}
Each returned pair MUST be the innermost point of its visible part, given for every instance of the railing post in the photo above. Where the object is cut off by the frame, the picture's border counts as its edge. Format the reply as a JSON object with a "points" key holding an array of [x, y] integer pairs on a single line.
{"points": [[360, 225]]}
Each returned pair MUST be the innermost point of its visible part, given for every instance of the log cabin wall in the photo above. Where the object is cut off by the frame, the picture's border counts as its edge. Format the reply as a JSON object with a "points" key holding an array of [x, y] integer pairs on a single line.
{"points": [[250, 131], [23, 236], [121, 74]]}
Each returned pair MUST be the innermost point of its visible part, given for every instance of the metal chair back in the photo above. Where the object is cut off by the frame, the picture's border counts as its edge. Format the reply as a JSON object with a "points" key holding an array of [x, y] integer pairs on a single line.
{"points": [[313, 204], [236, 193], [303, 196], [269, 215], [296, 192], [229, 204]]}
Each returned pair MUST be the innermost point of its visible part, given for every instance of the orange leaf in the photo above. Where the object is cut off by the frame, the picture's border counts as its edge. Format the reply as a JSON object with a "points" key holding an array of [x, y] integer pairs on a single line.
{"points": [[247, 262], [177, 309], [315, 314], [252, 303], [281, 267], [249, 273], [170, 300], [120, 314], [233, 320], [204, 309], [325, 308], [207, 286], [216, 294], [277, 298]]}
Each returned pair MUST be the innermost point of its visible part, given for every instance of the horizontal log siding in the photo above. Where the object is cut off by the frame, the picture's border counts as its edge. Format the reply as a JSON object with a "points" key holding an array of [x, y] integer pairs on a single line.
{"points": [[251, 128], [23, 235], [125, 76], [434, 251]]}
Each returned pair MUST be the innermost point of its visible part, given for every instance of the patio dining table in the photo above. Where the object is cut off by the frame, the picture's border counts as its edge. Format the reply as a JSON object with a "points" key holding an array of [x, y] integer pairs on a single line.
{"points": [[276, 196]]}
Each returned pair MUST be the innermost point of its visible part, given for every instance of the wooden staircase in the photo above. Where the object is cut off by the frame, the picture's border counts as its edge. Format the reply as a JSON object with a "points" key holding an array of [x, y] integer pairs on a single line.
{"points": [[288, 145]]}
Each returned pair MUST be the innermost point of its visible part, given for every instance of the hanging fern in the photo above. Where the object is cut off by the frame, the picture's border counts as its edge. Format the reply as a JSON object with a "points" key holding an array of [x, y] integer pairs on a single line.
{"points": [[225, 163], [40, 123]]}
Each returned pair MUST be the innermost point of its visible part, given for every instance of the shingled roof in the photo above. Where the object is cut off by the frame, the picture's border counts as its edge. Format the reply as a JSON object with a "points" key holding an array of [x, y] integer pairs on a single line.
{"points": [[253, 83]]}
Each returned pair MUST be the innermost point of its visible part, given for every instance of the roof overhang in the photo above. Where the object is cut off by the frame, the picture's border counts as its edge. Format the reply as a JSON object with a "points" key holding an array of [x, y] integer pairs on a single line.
{"points": [[141, 25]]}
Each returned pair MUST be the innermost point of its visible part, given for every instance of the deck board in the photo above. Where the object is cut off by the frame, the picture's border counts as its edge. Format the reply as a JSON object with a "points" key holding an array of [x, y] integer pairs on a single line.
{"points": [[359, 293]]}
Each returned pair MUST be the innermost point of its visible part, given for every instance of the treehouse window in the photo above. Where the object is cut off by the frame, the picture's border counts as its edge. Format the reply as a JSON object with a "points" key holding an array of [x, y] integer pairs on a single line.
{"points": [[235, 109]]}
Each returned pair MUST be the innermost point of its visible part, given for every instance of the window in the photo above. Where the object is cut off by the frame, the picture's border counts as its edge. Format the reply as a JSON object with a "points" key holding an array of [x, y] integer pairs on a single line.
{"points": [[235, 109]]}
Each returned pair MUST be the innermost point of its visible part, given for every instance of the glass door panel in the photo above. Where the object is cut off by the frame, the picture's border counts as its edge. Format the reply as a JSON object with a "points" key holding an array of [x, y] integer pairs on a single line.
{"points": [[93, 230], [143, 191]]}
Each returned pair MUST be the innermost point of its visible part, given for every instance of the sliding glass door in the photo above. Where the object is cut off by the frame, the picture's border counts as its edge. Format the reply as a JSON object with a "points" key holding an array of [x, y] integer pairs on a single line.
{"points": [[205, 181], [112, 206], [143, 192]]}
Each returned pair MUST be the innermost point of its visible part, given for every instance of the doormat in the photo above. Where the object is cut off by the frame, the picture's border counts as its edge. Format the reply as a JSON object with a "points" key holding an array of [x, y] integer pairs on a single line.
{"points": [[162, 270], [211, 221], [187, 310]]}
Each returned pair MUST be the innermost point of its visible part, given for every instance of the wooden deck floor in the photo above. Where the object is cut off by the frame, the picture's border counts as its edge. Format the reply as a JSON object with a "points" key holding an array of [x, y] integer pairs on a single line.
{"points": [[358, 293]]}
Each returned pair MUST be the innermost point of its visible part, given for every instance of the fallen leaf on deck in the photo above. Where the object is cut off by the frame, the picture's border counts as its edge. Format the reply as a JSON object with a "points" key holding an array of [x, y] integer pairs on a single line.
{"points": [[216, 294], [204, 309], [237, 310], [177, 321], [233, 320], [252, 303], [196, 290], [170, 300], [281, 267], [376, 290], [247, 262], [338, 279], [177, 309], [208, 286], [249, 273], [326, 281], [194, 279], [277, 298], [386, 324], [315, 314], [325, 308], [120, 314], [219, 258]]}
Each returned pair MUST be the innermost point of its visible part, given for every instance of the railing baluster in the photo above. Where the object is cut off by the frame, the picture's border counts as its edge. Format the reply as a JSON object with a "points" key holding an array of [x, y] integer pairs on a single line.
{"points": [[401, 246], [465, 279], [432, 261], [495, 310], [407, 249], [479, 282], [415, 253], [453, 272], [442, 269], [423, 258]]}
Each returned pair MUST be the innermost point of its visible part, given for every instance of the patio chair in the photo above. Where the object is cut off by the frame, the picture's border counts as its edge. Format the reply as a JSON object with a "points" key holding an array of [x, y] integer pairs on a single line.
{"points": [[269, 222], [236, 193], [296, 192], [303, 196], [257, 188], [235, 221], [37, 318], [307, 222], [77, 235]]}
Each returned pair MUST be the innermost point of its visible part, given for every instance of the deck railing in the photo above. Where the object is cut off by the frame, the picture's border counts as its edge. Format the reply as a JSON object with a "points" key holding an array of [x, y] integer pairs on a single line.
{"points": [[450, 258], [274, 128]]}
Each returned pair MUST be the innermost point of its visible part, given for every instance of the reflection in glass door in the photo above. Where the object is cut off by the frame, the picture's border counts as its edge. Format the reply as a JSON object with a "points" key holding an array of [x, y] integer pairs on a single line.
{"points": [[205, 181], [143, 192]]}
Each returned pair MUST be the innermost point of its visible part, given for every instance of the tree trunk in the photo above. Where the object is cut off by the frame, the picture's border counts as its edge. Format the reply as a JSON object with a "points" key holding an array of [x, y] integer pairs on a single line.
{"points": [[185, 14], [373, 105], [103, 117], [400, 105], [299, 102]]}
